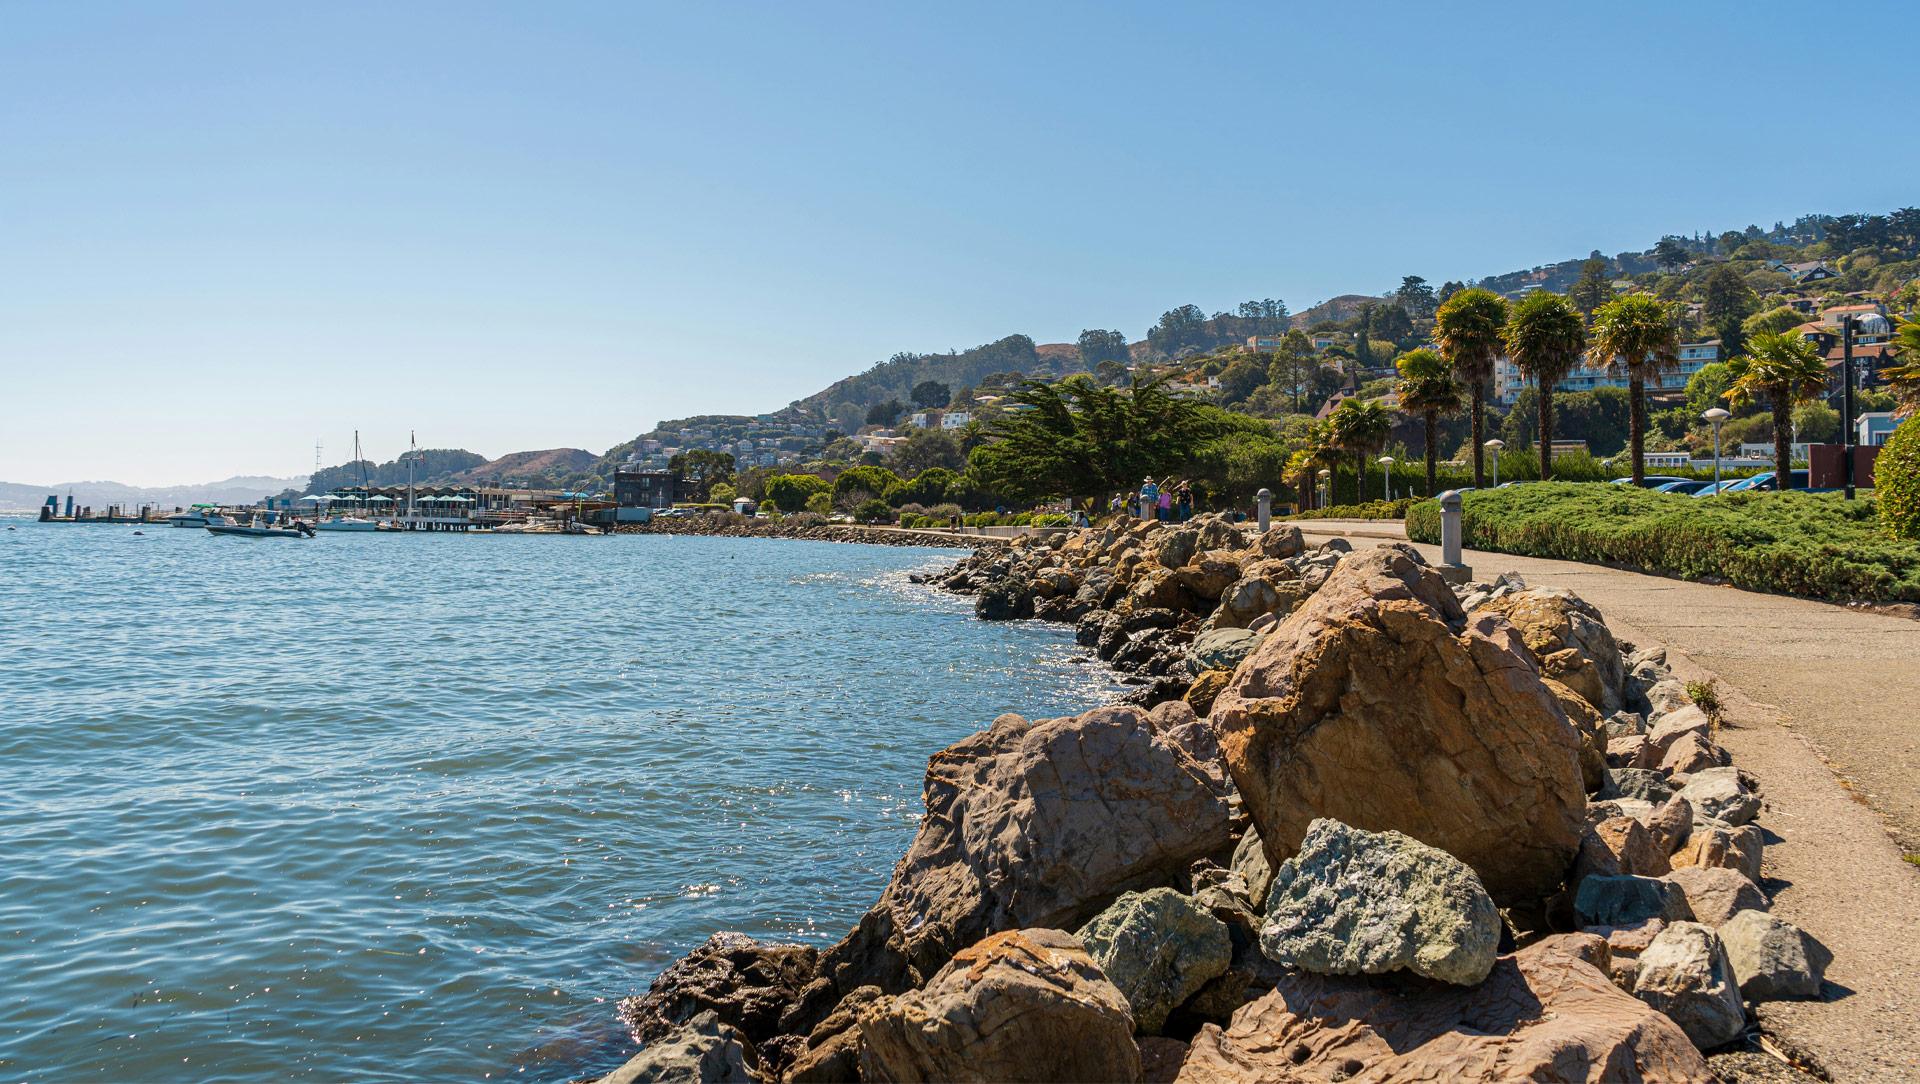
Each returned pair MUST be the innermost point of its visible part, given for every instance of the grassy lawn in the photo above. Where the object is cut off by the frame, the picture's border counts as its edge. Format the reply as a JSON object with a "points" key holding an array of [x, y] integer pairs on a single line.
{"points": [[1812, 544]]}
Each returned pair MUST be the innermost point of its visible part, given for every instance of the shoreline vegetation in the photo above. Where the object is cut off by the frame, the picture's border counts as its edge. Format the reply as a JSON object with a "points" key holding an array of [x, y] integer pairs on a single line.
{"points": [[1814, 545], [1350, 820]]}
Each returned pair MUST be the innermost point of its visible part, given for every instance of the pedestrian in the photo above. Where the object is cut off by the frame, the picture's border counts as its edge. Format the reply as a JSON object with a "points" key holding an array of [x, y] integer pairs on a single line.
{"points": [[1184, 512], [1166, 506], [1149, 498]]}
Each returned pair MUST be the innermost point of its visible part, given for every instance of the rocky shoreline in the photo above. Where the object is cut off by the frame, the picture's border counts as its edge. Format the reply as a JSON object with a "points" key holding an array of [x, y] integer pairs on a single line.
{"points": [[731, 526], [1356, 823]]}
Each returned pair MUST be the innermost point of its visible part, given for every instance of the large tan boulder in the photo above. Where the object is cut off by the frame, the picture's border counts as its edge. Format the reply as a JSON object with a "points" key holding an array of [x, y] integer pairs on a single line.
{"points": [[1022, 1005], [1544, 1014], [1380, 704], [1571, 641], [1037, 824]]}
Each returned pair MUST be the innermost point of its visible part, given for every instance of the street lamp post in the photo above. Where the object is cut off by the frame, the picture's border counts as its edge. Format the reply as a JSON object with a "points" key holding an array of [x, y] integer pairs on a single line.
{"points": [[1493, 447], [1846, 409], [1326, 482], [1716, 416], [1386, 477]]}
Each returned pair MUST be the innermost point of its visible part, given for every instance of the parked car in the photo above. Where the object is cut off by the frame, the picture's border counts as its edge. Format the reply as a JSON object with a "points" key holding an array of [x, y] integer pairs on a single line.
{"points": [[1711, 488], [1651, 481], [1769, 481], [1683, 486]]}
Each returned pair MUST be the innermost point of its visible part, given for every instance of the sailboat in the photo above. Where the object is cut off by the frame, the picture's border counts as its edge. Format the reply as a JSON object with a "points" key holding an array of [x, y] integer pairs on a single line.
{"points": [[351, 523]]}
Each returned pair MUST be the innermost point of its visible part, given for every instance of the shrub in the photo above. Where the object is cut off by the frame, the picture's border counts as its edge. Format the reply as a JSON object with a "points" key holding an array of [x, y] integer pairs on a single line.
{"points": [[1369, 510], [944, 512], [1896, 479], [792, 492], [820, 503], [873, 510], [1796, 543]]}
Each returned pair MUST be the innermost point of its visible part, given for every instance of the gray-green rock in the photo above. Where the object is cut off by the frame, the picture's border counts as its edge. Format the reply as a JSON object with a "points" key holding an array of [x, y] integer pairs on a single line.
{"points": [[1159, 948], [1685, 973], [1250, 862], [1222, 649], [1773, 958], [701, 1051], [1355, 902], [1625, 900]]}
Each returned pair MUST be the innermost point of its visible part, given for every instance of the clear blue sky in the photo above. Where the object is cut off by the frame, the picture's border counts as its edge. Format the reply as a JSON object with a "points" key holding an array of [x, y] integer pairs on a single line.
{"points": [[227, 230]]}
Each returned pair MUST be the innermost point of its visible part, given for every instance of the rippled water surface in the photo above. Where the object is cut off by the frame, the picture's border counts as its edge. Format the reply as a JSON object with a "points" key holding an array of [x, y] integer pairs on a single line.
{"points": [[375, 807]]}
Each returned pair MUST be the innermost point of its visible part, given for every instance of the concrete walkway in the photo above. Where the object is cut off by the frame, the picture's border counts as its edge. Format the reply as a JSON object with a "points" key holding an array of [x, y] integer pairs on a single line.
{"points": [[1823, 705]]}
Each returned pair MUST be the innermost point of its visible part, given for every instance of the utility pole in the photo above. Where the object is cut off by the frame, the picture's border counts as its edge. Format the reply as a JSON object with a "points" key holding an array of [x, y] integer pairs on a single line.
{"points": [[1846, 403]]}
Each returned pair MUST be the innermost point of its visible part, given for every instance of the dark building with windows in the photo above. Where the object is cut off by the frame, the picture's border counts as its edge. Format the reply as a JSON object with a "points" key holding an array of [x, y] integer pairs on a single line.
{"points": [[643, 488]]}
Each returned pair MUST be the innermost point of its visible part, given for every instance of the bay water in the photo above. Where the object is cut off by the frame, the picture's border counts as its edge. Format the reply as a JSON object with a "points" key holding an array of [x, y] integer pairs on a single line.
{"points": [[381, 807]]}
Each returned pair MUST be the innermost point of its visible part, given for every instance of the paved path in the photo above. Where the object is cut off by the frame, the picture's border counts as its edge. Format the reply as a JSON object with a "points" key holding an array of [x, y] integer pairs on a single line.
{"points": [[1823, 705]]}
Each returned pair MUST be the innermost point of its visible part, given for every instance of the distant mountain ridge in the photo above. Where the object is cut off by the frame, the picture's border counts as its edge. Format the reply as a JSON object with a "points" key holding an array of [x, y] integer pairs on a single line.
{"points": [[241, 489]]}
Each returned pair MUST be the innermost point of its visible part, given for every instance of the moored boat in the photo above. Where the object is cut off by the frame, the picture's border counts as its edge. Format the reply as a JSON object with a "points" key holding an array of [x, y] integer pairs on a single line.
{"points": [[346, 523], [219, 524]]}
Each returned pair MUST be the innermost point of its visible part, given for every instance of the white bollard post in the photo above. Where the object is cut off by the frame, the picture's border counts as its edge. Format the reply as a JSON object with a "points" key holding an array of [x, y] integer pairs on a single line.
{"points": [[1450, 567], [1265, 506]]}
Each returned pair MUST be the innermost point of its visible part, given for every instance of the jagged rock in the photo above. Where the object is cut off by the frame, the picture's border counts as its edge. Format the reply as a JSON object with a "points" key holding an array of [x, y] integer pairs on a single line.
{"points": [[1624, 900], [1642, 783], [1036, 824], [1354, 902], [1160, 1059], [1592, 730], [1670, 824], [1250, 862], [1685, 974], [1173, 548], [1209, 574], [1158, 948], [1626, 751], [1570, 640], [1160, 589], [1380, 704], [1282, 541], [1631, 846], [746, 984], [1600, 810], [1664, 696], [1715, 895], [832, 1051], [1739, 849], [1622, 723], [1022, 1005], [1670, 728], [1719, 794], [1624, 946], [1543, 1014], [1205, 688], [1004, 600], [1690, 753], [1221, 649], [1257, 595], [701, 1051], [1772, 958]]}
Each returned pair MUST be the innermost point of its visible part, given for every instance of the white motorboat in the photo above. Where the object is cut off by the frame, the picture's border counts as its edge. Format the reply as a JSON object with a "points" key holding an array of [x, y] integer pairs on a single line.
{"points": [[192, 517], [224, 525], [346, 523]]}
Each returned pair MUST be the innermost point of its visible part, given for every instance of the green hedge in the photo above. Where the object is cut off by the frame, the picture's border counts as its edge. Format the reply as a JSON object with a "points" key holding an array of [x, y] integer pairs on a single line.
{"points": [[1369, 510], [1896, 474], [1812, 544]]}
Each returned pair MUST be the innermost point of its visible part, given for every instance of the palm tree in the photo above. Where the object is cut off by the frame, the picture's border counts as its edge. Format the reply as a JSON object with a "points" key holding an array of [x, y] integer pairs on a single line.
{"points": [[1468, 329], [1788, 371], [1360, 428], [1904, 379], [1427, 388], [1638, 334], [1316, 451], [1544, 338]]}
